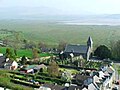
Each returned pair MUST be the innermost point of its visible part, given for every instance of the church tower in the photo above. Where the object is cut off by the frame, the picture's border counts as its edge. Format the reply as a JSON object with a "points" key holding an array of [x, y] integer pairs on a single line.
{"points": [[90, 43]]}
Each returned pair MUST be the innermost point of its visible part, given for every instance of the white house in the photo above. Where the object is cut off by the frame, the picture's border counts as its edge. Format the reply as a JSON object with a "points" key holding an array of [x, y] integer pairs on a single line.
{"points": [[44, 88], [8, 64], [110, 74], [12, 65]]}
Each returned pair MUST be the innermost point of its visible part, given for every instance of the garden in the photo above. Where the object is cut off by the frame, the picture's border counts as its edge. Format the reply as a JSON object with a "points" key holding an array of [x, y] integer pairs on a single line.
{"points": [[14, 80], [5, 81]]}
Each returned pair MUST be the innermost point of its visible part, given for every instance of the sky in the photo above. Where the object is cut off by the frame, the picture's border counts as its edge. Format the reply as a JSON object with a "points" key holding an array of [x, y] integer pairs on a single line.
{"points": [[75, 7]]}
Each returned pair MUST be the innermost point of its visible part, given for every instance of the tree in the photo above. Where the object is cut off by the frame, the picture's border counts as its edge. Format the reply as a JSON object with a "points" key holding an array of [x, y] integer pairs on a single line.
{"points": [[116, 50], [53, 69], [16, 42], [62, 45], [42, 45], [35, 54], [29, 44], [23, 60], [8, 53], [103, 52]]}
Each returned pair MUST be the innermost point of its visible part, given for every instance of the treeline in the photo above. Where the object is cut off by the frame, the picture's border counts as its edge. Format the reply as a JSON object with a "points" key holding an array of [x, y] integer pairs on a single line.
{"points": [[103, 52]]}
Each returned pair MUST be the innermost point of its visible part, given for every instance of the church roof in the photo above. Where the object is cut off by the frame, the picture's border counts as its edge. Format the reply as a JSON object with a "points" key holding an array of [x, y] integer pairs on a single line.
{"points": [[76, 48]]}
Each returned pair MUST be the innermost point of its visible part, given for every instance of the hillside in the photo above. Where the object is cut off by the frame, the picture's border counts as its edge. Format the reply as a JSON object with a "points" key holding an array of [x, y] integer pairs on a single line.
{"points": [[52, 33]]}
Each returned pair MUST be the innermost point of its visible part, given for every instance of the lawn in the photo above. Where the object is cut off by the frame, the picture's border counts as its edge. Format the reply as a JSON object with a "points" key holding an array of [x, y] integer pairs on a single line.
{"points": [[27, 53], [72, 71]]}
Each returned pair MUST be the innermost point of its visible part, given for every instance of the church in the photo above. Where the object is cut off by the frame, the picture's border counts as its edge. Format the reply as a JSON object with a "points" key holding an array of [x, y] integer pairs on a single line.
{"points": [[80, 50]]}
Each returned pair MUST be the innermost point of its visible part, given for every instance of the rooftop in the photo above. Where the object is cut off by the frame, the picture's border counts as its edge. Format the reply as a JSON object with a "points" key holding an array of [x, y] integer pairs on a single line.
{"points": [[76, 48]]}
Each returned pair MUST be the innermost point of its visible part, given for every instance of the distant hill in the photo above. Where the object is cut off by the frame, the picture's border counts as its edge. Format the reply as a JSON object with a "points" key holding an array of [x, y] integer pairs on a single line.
{"points": [[47, 13], [112, 16]]}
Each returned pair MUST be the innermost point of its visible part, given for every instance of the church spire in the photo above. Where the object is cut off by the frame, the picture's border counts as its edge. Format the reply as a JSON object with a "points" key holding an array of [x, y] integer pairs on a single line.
{"points": [[90, 42]]}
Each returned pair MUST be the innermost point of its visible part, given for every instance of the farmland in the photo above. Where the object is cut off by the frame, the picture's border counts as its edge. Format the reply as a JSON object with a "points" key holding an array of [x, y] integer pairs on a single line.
{"points": [[52, 33]]}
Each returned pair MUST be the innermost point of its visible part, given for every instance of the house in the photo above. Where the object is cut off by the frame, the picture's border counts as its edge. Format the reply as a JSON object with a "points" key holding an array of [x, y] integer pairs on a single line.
{"points": [[82, 80], [40, 67], [92, 87], [104, 78], [2, 61], [75, 88], [12, 65], [45, 50], [1, 54], [33, 68], [77, 50], [28, 69], [8, 64], [110, 78], [87, 82], [96, 80], [52, 87]]}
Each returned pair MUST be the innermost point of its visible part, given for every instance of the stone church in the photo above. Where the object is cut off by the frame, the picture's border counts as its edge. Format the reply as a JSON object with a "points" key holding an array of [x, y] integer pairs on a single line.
{"points": [[80, 50]]}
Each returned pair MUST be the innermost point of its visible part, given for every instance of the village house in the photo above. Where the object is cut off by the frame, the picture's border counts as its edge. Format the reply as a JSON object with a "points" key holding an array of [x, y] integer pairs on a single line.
{"points": [[97, 80], [104, 78], [12, 65], [52, 87], [40, 68], [8, 64], [2, 61], [33, 68]]}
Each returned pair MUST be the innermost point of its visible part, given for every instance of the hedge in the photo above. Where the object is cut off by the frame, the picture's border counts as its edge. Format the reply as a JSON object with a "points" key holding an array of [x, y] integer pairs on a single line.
{"points": [[25, 83], [48, 78]]}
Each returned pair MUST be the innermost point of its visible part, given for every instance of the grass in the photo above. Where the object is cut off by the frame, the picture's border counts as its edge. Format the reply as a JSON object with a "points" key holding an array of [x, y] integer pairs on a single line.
{"points": [[52, 33], [72, 71], [27, 53]]}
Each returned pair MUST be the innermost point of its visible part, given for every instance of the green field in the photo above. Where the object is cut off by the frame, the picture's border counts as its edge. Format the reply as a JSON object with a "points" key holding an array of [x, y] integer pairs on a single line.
{"points": [[52, 33], [27, 53]]}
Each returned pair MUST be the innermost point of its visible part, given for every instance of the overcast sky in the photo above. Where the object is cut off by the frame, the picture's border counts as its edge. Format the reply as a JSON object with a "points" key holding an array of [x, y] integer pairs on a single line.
{"points": [[69, 6]]}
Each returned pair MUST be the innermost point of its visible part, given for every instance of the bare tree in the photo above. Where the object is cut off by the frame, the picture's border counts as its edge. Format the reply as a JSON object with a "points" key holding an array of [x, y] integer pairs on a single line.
{"points": [[35, 54], [53, 69], [62, 45], [41, 45]]}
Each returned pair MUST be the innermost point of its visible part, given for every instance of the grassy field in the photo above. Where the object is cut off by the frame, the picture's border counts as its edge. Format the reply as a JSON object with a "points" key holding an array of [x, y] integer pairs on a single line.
{"points": [[52, 33], [27, 53]]}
